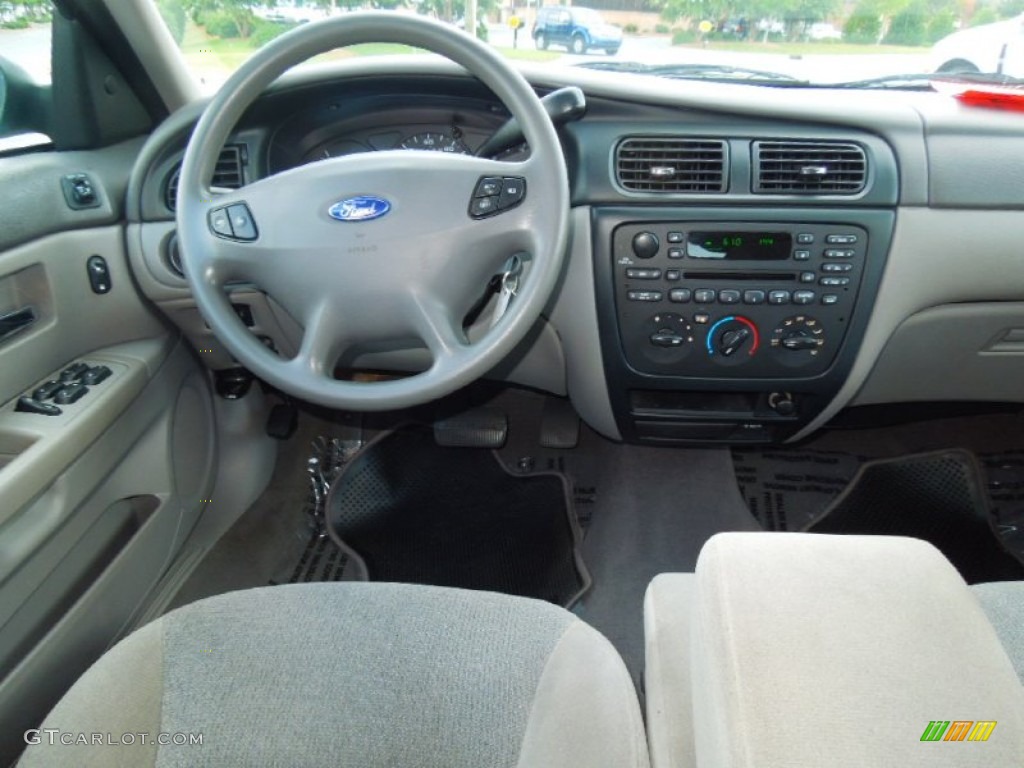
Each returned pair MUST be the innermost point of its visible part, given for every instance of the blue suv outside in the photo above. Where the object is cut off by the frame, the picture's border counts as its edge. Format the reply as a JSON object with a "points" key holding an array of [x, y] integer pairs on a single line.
{"points": [[578, 29]]}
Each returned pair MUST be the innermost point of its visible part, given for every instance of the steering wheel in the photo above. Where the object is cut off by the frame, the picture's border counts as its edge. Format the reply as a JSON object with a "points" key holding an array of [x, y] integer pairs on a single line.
{"points": [[383, 249]]}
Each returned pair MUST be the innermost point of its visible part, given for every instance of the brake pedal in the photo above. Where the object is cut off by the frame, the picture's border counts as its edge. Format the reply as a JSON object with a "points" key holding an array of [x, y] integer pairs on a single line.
{"points": [[476, 428], [560, 424]]}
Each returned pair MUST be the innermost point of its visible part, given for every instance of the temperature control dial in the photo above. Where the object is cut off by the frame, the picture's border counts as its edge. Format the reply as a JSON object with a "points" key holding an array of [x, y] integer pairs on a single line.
{"points": [[732, 340], [799, 340], [669, 336]]}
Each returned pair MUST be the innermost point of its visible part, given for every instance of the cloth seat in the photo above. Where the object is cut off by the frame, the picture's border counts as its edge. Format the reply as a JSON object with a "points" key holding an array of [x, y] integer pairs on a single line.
{"points": [[355, 674], [1003, 602]]}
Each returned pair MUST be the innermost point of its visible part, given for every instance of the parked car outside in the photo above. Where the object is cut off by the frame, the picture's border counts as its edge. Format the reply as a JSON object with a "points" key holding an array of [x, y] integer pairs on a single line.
{"points": [[578, 29], [996, 48]]}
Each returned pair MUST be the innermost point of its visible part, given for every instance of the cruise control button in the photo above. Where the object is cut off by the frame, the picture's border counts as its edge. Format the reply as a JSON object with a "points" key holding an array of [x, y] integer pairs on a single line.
{"points": [[513, 189], [241, 222], [830, 298], [487, 187], [644, 295], [729, 296], [704, 296], [675, 237], [841, 239], [778, 297], [643, 274], [220, 223], [673, 275], [804, 297], [801, 255], [675, 253], [483, 206], [808, 277], [753, 297], [680, 295]]}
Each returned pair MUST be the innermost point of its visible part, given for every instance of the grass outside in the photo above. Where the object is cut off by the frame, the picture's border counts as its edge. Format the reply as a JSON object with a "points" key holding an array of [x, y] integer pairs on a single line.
{"points": [[806, 49], [212, 56]]}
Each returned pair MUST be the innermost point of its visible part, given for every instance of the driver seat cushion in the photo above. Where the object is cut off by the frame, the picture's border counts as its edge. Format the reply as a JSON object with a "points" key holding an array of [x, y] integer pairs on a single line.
{"points": [[357, 674]]}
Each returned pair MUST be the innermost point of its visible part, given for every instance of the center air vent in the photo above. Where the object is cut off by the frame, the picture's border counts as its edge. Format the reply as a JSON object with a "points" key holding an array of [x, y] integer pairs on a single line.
{"points": [[228, 174], [657, 164], [809, 168]]}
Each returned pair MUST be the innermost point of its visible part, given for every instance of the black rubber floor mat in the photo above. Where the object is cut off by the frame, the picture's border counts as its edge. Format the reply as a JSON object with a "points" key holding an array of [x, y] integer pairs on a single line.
{"points": [[939, 497], [407, 510], [319, 560]]}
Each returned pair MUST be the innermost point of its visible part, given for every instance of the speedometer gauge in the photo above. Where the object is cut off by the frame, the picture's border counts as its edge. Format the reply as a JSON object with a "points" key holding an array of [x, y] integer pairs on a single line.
{"points": [[435, 142]]}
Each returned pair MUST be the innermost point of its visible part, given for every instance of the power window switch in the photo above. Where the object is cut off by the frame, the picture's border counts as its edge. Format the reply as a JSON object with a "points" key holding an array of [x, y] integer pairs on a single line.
{"points": [[95, 375], [47, 390], [69, 394], [27, 404]]}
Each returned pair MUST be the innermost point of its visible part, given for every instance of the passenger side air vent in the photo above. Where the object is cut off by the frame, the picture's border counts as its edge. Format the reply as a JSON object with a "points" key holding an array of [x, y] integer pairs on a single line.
{"points": [[228, 174], [809, 168], [657, 164]]}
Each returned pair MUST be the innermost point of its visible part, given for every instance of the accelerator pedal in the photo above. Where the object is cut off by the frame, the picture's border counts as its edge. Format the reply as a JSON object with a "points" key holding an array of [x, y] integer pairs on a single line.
{"points": [[476, 428], [560, 424]]}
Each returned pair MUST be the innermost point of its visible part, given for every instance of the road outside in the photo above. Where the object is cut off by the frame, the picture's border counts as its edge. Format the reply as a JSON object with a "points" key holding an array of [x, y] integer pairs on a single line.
{"points": [[30, 48]]}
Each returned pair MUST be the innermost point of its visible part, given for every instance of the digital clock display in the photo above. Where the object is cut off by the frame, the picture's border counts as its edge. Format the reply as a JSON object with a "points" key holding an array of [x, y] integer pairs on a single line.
{"points": [[739, 246]]}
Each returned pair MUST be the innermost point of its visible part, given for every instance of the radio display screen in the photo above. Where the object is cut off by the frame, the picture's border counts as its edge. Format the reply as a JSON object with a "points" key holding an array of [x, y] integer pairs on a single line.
{"points": [[739, 246]]}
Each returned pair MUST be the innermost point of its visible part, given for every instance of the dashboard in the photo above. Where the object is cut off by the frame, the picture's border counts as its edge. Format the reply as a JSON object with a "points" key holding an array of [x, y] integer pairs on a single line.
{"points": [[742, 266]]}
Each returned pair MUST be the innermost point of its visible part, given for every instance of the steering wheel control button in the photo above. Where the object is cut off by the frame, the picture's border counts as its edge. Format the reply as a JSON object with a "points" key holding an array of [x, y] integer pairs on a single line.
{"points": [[220, 223], [778, 297], [27, 404], [241, 222], [483, 206], [513, 190], [643, 274], [645, 245], [753, 297], [680, 295], [69, 394], [488, 186]]}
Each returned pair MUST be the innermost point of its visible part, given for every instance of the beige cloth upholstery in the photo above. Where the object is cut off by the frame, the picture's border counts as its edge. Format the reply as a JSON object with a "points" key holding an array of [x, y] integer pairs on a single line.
{"points": [[807, 651]]}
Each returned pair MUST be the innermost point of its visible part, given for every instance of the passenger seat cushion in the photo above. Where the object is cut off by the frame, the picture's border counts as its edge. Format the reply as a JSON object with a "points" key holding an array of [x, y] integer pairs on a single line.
{"points": [[1003, 603], [812, 650], [369, 675]]}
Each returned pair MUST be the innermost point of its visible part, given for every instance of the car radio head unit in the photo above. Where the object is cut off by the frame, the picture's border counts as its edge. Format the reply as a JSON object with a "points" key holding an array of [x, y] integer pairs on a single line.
{"points": [[739, 245]]}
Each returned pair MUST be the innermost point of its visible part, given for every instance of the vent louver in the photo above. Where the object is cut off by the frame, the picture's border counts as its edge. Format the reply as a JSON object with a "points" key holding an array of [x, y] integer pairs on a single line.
{"points": [[809, 168], [228, 174], [656, 164]]}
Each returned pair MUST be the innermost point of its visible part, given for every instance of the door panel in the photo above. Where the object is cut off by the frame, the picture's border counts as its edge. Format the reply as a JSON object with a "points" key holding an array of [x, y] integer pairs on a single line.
{"points": [[94, 502]]}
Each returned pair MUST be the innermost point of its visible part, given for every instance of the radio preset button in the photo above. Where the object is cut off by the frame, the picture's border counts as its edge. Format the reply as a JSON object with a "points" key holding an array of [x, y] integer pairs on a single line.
{"points": [[729, 296], [673, 275], [778, 297], [830, 298], [675, 237], [804, 238], [643, 274], [804, 297], [644, 295], [841, 239], [753, 297], [704, 296], [680, 295]]}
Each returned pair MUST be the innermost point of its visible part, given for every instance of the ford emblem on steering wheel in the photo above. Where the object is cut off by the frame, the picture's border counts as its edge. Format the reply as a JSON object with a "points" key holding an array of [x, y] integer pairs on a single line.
{"points": [[362, 208]]}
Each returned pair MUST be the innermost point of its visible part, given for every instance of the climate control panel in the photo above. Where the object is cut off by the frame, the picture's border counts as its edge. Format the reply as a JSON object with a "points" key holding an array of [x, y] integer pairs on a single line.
{"points": [[744, 300]]}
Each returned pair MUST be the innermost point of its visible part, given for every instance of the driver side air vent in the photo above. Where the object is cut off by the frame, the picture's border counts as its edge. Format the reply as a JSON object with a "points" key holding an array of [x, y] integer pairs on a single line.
{"points": [[656, 164], [809, 168], [229, 173]]}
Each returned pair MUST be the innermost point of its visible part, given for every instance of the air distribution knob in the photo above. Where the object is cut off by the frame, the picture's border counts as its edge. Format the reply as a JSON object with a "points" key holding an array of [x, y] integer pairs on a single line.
{"points": [[645, 244]]}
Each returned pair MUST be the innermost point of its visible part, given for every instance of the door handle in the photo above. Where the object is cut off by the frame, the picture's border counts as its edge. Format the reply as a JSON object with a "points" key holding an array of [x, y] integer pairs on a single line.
{"points": [[15, 322]]}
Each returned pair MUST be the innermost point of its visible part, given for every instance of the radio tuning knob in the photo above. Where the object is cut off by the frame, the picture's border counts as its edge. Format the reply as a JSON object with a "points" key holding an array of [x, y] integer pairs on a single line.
{"points": [[645, 244]]}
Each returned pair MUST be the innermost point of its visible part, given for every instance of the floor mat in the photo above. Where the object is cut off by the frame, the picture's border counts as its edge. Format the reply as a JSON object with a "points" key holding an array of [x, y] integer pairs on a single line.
{"points": [[939, 497], [407, 510]]}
